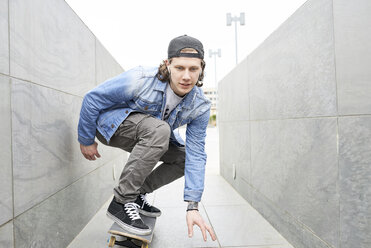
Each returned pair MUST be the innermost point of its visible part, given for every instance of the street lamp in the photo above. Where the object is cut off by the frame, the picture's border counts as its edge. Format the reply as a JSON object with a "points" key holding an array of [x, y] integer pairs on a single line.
{"points": [[236, 19], [214, 53]]}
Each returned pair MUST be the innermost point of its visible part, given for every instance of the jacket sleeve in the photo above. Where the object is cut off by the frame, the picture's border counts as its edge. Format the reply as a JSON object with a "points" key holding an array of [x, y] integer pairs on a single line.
{"points": [[114, 91], [195, 158]]}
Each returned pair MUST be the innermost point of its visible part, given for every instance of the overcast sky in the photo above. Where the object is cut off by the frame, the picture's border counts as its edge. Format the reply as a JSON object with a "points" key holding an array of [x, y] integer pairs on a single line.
{"points": [[138, 32]]}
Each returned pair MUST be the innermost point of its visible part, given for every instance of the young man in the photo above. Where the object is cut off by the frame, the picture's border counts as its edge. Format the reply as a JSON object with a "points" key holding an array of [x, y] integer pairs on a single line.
{"points": [[137, 111]]}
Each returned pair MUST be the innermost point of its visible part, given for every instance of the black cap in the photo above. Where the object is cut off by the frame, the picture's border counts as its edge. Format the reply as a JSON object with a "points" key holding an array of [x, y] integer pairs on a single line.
{"points": [[185, 41]]}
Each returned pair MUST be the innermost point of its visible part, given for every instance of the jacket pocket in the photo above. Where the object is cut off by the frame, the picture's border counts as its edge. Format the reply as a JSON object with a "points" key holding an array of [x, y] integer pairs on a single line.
{"points": [[147, 107]]}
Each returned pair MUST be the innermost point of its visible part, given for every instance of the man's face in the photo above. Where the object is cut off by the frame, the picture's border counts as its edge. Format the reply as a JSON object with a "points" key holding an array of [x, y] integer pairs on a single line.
{"points": [[184, 74]]}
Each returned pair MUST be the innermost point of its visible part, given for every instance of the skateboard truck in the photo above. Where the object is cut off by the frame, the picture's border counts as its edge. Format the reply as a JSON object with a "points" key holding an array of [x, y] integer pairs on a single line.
{"points": [[125, 243]]}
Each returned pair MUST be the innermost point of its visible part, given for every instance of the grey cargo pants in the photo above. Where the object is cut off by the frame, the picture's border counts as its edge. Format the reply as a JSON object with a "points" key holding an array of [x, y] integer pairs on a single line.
{"points": [[147, 140]]}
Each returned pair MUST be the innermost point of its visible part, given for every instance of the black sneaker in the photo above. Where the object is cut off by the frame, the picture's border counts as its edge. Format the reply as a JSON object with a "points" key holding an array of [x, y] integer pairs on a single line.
{"points": [[127, 217], [145, 208]]}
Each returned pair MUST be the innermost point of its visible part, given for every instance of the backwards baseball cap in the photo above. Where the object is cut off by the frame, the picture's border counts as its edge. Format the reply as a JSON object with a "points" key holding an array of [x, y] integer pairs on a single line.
{"points": [[177, 44]]}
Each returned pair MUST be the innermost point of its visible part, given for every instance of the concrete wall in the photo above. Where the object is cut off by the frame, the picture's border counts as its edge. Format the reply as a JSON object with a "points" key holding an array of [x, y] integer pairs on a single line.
{"points": [[295, 122], [48, 60]]}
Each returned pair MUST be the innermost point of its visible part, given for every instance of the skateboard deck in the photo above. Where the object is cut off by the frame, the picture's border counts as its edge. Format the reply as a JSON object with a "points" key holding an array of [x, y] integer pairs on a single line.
{"points": [[132, 240]]}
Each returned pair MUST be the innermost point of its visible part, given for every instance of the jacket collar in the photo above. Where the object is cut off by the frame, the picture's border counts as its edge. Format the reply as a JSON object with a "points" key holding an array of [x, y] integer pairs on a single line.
{"points": [[160, 86]]}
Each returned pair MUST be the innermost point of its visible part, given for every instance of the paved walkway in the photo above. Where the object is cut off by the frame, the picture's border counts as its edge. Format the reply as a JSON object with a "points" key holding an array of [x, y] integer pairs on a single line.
{"points": [[235, 222]]}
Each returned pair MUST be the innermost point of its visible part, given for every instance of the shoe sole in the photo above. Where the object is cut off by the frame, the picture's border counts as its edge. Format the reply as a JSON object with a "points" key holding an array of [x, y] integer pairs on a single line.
{"points": [[149, 214], [128, 227]]}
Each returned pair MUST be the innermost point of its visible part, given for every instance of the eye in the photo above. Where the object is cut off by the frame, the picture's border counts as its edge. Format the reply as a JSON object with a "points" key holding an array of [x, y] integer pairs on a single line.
{"points": [[179, 68]]}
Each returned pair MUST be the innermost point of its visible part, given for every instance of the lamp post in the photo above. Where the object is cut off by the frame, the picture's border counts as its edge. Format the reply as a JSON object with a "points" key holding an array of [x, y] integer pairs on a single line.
{"points": [[215, 53], [236, 19]]}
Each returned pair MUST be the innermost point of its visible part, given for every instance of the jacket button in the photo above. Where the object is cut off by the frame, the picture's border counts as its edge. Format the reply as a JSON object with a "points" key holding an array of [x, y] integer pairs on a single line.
{"points": [[126, 111], [113, 125], [146, 107]]}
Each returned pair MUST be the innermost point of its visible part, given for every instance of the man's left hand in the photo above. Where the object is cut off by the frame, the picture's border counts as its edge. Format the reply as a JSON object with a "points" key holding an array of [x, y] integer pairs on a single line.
{"points": [[194, 217]]}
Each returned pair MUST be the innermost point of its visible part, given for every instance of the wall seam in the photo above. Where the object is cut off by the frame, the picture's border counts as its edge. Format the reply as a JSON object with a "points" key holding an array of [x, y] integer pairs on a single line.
{"points": [[301, 225], [5, 223], [10, 83], [250, 136], [41, 85], [337, 126], [300, 118], [65, 187], [95, 62], [208, 218], [9, 37]]}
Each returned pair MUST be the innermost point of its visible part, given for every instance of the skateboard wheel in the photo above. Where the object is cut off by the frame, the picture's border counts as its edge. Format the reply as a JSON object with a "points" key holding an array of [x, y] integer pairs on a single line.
{"points": [[144, 245], [112, 241]]}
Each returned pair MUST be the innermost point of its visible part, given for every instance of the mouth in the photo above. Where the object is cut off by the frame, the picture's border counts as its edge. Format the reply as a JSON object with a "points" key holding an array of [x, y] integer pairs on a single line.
{"points": [[185, 85]]}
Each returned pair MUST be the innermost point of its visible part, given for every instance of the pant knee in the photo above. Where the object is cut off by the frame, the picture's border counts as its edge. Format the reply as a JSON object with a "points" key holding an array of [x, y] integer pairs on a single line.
{"points": [[155, 133], [162, 135], [163, 131]]}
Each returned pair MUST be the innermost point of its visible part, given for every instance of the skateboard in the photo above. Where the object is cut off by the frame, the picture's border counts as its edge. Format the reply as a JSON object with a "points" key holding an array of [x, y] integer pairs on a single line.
{"points": [[131, 240]]}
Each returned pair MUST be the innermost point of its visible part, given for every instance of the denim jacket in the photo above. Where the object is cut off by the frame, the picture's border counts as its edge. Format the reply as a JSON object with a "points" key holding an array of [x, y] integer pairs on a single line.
{"points": [[105, 107]]}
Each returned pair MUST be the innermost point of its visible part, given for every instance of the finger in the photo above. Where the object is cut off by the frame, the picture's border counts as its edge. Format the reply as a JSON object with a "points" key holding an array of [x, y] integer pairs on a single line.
{"points": [[190, 230], [91, 157], [96, 150], [203, 230], [211, 232]]}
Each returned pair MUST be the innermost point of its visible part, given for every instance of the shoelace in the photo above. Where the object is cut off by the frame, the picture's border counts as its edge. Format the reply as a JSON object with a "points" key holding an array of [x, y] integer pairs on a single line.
{"points": [[145, 202], [131, 209]]}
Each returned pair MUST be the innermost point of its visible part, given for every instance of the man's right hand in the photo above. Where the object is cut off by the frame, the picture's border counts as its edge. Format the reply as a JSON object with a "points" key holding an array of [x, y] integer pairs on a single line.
{"points": [[90, 152]]}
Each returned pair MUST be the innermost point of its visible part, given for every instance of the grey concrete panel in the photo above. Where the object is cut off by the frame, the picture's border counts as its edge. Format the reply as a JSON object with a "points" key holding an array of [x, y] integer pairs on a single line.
{"points": [[353, 55], [235, 152], [225, 167], [235, 147], [4, 37], [6, 192], [94, 234], [292, 74], [244, 188], [288, 226], [239, 222], [62, 216], [355, 181], [51, 46], [47, 155], [233, 95], [106, 66], [294, 164], [311, 240], [6, 235]]}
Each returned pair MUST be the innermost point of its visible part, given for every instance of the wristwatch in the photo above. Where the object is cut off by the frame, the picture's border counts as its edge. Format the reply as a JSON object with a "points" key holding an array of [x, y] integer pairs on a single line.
{"points": [[192, 206]]}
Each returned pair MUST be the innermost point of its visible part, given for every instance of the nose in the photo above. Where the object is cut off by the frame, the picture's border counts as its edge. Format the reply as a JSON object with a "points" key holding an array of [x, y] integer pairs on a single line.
{"points": [[186, 75]]}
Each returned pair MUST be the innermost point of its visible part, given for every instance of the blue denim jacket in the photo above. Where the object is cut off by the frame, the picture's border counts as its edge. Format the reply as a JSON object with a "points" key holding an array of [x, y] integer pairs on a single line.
{"points": [[107, 106]]}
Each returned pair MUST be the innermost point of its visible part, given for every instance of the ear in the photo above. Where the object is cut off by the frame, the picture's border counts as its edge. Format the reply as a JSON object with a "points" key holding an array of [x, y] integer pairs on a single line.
{"points": [[167, 63]]}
